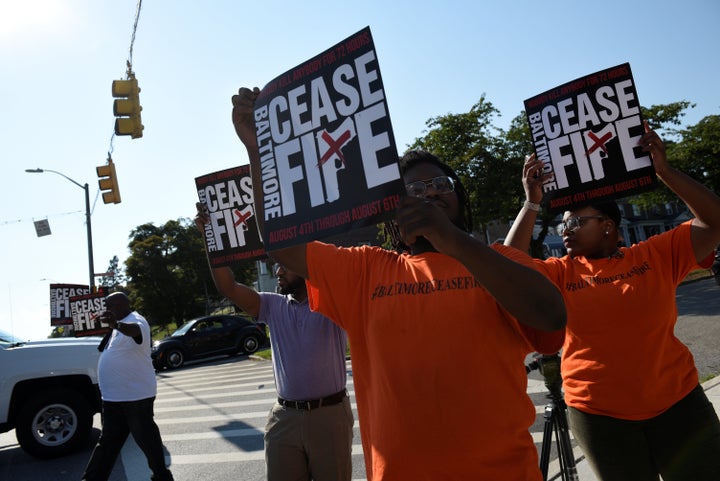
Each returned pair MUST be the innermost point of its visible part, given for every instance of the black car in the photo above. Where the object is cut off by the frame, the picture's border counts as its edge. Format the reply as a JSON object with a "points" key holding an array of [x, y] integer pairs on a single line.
{"points": [[208, 336]]}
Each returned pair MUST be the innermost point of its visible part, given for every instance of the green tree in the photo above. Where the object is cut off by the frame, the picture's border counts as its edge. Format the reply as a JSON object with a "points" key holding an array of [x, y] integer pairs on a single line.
{"points": [[666, 118], [698, 153], [115, 277], [168, 275], [693, 149], [477, 150]]}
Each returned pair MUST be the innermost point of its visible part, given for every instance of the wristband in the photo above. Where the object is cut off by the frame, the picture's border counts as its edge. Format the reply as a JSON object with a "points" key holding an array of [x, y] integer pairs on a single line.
{"points": [[531, 206]]}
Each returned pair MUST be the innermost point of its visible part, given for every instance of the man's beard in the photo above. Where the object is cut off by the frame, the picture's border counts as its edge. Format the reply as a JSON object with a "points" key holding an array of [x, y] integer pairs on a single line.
{"points": [[292, 287]]}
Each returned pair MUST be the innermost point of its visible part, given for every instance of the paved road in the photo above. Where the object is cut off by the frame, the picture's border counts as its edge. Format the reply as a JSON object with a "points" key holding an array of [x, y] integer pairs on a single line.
{"points": [[699, 323], [211, 414]]}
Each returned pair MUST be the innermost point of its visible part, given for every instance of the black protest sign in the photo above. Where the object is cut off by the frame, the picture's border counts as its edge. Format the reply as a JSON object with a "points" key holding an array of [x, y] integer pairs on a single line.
{"points": [[86, 310], [60, 294], [586, 133], [232, 235], [327, 149]]}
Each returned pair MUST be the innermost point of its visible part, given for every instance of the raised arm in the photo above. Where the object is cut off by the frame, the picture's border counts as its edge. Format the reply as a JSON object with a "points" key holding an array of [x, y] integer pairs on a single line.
{"points": [[521, 231], [702, 202], [241, 295], [524, 292], [293, 258]]}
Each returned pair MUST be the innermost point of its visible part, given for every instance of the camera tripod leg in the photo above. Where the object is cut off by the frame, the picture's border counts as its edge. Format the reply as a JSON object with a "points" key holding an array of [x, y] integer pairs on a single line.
{"points": [[566, 457], [556, 422], [546, 441]]}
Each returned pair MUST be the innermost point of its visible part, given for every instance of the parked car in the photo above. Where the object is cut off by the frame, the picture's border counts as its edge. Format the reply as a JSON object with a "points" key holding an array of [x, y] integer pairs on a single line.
{"points": [[208, 336], [49, 393]]}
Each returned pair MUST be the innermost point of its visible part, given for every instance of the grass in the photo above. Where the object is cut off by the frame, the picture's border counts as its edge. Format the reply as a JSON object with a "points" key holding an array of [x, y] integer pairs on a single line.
{"points": [[158, 333], [698, 274], [267, 353], [264, 354]]}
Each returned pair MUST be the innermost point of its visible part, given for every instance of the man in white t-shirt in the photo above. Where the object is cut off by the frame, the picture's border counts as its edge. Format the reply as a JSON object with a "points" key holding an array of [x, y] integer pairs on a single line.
{"points": [[128, 388]]}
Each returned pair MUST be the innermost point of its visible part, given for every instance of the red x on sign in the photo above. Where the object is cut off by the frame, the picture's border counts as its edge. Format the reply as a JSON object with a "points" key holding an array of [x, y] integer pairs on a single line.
{"points": [[242, 218], [334, 146], [599, 142]]}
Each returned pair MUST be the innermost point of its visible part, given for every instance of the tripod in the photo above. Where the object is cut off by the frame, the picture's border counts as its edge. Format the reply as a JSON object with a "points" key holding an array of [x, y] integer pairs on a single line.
{"points": [[555, 419]]}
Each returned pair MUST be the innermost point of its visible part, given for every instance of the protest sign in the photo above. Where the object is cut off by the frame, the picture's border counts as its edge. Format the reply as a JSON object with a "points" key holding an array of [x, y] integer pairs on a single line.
{"points": [[86, 310], [60, 294], [231, 235], [327, 149], [586, 134]]}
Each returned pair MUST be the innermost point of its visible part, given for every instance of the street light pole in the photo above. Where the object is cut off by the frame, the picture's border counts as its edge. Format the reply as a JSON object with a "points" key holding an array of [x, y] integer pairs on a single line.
{"points": [[91, 266], [91, 262]]}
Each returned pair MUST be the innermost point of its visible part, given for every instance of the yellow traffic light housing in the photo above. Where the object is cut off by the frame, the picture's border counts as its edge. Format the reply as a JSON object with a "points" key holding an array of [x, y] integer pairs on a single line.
{"points": [[127, 107], [108, 182]]}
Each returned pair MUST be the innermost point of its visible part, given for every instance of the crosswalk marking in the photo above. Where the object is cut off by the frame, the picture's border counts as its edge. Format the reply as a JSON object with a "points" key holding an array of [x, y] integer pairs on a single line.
{"points": [[200, 396], [233, 457]]}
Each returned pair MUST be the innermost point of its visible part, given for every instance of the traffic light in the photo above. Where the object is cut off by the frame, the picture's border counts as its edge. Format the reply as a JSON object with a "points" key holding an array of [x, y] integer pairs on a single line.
{"points": [[127, 107], [108, 182]]}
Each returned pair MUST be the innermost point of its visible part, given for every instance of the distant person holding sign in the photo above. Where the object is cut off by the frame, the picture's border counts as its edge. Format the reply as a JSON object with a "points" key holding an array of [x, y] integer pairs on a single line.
{"points": [[634, 402], [128, 387], [439, 334], [309, 430]]}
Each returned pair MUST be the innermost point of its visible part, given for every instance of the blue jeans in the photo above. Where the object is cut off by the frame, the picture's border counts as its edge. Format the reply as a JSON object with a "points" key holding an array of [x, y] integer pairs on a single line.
{"points": [[119, 419]]}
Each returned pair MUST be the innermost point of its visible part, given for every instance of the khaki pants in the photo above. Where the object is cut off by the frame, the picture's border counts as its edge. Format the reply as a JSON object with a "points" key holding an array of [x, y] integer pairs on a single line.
{"points": [[304, 445]]}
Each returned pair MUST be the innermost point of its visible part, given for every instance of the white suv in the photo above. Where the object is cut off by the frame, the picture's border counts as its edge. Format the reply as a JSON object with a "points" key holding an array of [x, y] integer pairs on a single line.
{"points": [[49, 392]]}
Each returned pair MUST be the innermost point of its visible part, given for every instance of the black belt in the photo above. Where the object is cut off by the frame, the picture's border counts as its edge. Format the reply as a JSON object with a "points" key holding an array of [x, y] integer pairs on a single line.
{"points": [[315, 403]]}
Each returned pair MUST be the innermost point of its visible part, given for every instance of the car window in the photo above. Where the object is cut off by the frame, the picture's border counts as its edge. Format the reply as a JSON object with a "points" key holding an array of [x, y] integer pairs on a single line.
{"points": [[182, 330], [231, 322]]}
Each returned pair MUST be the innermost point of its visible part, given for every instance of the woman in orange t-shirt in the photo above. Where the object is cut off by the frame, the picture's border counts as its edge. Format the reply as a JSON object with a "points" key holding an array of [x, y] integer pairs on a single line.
{"points": [[634, 402]]}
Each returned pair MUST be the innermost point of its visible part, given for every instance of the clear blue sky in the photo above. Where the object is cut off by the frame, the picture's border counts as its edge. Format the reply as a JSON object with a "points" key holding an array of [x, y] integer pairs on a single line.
{"points": [[59, 58]]}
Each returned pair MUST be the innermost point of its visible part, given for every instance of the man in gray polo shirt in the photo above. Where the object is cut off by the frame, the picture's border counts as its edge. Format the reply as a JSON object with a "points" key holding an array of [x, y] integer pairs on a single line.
{"points": [[309, 430]]}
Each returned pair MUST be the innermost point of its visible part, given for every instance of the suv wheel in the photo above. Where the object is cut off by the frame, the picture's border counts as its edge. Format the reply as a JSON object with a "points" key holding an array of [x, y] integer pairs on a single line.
{"points": [[54, 423]]}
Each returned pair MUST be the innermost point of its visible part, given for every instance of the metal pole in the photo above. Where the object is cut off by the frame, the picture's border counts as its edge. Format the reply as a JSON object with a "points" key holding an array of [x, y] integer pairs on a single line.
{"points": [[91, 264]]}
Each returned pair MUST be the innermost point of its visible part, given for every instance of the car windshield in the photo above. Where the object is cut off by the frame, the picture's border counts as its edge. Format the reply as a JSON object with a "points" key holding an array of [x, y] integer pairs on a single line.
{"points": [[182, 330], [8, 340]]}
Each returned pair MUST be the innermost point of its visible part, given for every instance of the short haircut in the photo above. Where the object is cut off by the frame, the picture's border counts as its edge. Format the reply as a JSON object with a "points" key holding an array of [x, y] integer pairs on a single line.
{"points": [[610, 210]]}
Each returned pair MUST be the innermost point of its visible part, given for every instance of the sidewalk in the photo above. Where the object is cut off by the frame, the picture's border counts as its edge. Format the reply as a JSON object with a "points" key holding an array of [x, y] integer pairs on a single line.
{"points": [[712, 389]]}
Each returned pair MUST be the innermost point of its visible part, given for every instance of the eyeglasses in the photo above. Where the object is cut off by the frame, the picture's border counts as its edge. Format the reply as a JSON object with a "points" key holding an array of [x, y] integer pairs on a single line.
{"points": [[442, 185], [574, 223]]}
